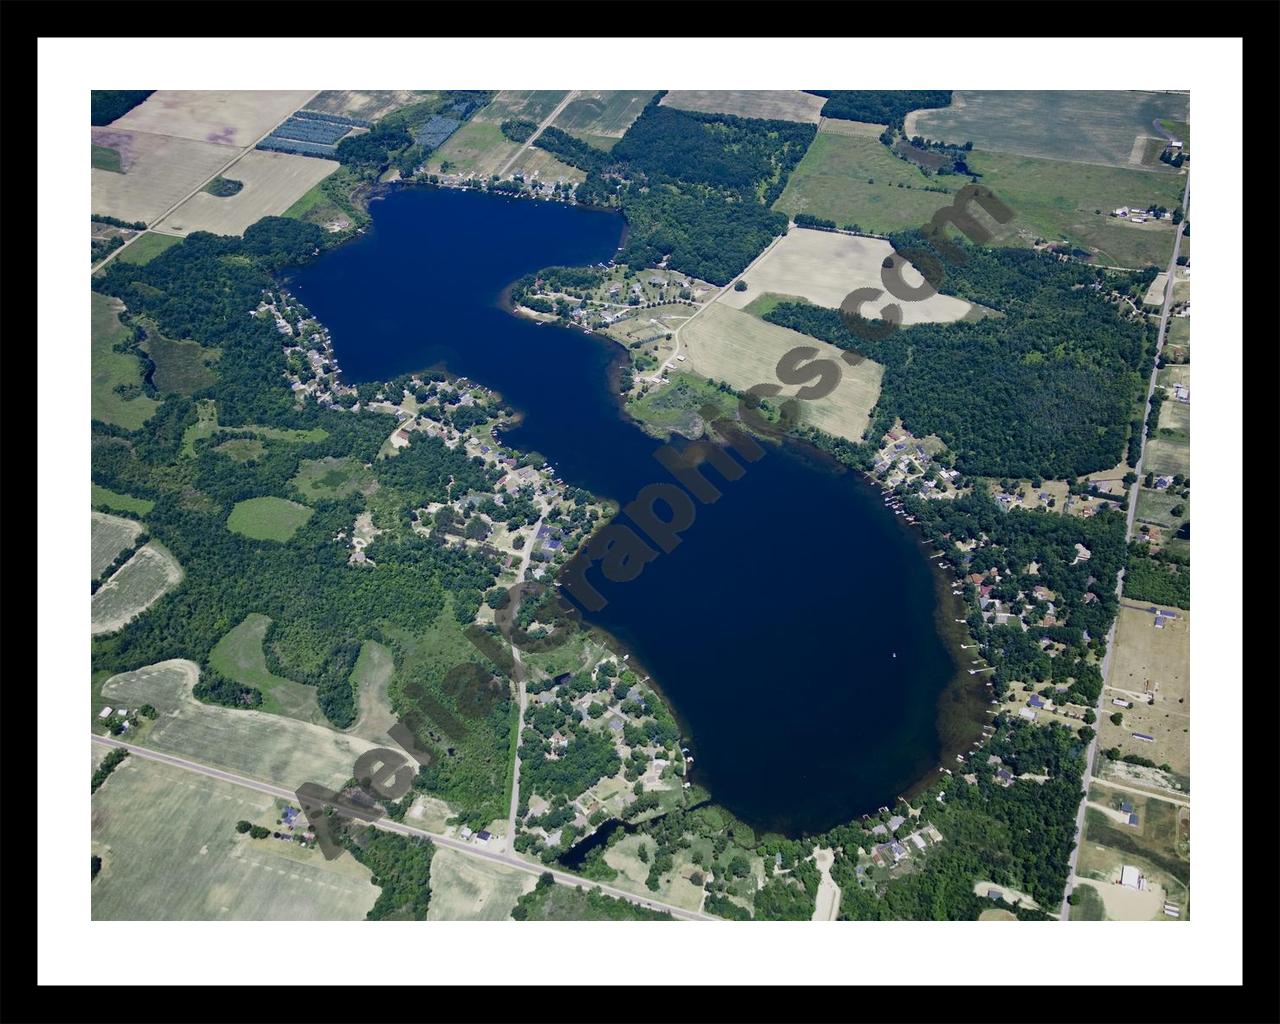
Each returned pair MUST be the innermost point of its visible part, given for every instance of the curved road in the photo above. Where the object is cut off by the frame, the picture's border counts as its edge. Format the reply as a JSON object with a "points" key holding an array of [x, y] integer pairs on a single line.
{"points": [[562, 877], [1064, 914]]}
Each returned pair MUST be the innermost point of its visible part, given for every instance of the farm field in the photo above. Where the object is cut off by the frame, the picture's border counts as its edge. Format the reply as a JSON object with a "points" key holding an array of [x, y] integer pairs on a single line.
{"points": [[470, 889], [1174, 373], [1179, 333], [1156, 507], [1175, 416], [1083, 126], [229, 117], [250, 742], [147, 248], [1167, 457], [850, 178], [238, 656], [608, 114], [824, 266], [768, 104], [158, 171], [104, 158], [366, 104], [330, 479], [1149, 660], [477, 149], [526, 104], [1054, 199], [134, 588], [110, 369], [103, 496], [109, 536], [182, 367], [731, 345], [273, 182], [267, 518], [170, 851]]}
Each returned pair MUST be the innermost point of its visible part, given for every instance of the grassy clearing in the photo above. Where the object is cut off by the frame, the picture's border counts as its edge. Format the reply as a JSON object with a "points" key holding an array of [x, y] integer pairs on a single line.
{"points": [[171, 852], [105, 158], [1086, 905], [267, 518], [1156, 507], [1088, 126], [677, 406], [762, 305], [134, 588], [329, 479], [1178, 334], [1175, 419], [470, 889], [242, 449], [238, 656], [477, 149], [102, 497], [254, 743], [147, 247], [182, 367], [371, 676], [116, 394], [733, 346], [853, 179], [110, 535]]}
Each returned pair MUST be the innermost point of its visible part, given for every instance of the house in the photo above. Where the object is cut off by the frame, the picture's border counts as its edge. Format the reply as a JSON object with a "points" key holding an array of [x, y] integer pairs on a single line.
{"points": [[1127, 808], [104, 713], [465, 832], [1028, 714], [917, 839], [1004, 776], [1036, 701], [483, 836], [895, 822], [1121, 703], [1133, 819], [289, 815], [1083, 554], [994, 894], [1144, 737], [899, 851], [879, 830], [616, 724], [1162, 482]]}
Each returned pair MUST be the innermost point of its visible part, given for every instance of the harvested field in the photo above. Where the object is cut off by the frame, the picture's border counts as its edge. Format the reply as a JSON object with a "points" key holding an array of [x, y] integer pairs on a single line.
{"points": [[731, 345], [839, 126], [134, 588], [825, 266], [273, 182], [147, 247], [768, 104], [238, 656], [470, 889], [366, 104], [159, 170], [110, 535], [522, 104], [267, 518], [170, 851], [603, 113], [250, 742], [1085, 126], [1151, 661], [230, 117], [110, 369]]}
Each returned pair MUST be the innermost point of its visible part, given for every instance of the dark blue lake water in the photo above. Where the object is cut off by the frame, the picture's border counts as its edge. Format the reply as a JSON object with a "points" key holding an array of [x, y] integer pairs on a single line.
{"points": [[773, 628]]}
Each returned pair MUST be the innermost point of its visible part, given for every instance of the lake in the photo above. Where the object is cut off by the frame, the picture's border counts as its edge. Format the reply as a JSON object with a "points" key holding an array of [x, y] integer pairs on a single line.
{"points": [[797, 630]]}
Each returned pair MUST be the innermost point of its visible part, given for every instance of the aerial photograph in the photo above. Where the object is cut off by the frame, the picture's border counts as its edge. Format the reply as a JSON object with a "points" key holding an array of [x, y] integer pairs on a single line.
{"points": [[576, 505]]}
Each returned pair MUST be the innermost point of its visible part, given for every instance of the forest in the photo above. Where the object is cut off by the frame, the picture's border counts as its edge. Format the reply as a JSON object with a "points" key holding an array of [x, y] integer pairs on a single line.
{"points": [[1044, 389], [106, 105], [880, 106], [571, 150], [1161, 580]]}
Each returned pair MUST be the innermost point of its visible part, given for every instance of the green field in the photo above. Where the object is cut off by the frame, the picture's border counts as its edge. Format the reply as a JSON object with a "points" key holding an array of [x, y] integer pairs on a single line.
{"points": [[467, 888], [592, 115], [1167, 457], [238, 656], [170, 851], [106, 159], [1179, 332], [267, 518], [112, 370], [207, 425], [147, 247], [853, 179], [329, 479], [1085, 126], [762, 305], [182, 367], [1053, 199], [1154, 507], [477, 148], [242, 449], [110, 535], [257, 744], [1086, 904], [676, 406], [104, 497]]}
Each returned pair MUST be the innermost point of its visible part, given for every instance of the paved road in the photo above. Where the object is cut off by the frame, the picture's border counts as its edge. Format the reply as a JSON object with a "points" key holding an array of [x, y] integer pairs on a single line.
{"points": [[530, 140], [523, 702], [470, 849], [1128, 532], [238, 154]]}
